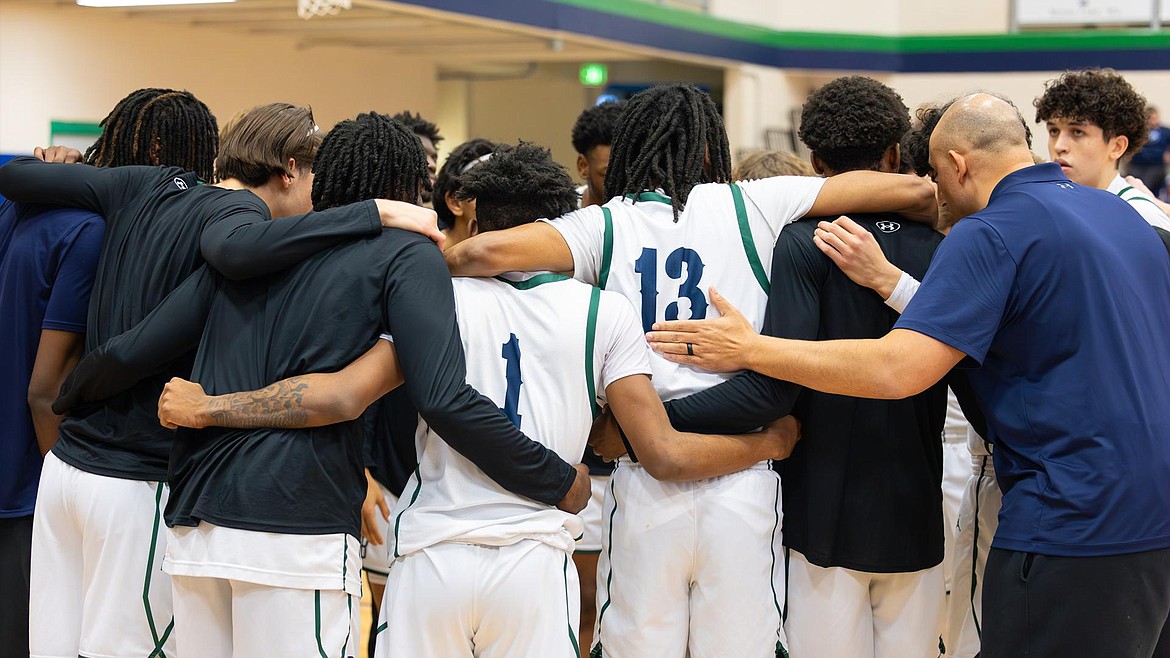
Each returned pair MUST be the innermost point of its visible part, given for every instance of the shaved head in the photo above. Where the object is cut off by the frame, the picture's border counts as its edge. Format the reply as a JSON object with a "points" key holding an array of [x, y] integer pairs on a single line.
{"points": [[980, 139], [982, 122]]}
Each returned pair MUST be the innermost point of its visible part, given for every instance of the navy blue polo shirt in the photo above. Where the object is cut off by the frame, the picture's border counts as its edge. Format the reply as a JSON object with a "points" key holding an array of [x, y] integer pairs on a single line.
{"points": [[48, 257], [1062, 293]]}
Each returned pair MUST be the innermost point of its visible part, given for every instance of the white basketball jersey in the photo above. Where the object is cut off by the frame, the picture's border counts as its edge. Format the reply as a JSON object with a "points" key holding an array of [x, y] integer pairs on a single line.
{"points": [[723, 238], [542, 347], [1145, 207]]}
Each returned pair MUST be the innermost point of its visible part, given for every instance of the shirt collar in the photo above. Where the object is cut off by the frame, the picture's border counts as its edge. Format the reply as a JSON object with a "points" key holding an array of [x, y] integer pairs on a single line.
{"points": [[1048, 172]]}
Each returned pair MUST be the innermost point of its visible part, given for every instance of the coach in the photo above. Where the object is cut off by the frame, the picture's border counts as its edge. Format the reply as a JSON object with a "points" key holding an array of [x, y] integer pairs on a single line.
{"points": [[1062, 294]]}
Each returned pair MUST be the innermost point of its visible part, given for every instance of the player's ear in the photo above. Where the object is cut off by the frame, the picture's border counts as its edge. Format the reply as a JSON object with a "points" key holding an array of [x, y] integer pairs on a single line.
{"points": [[892, 159], [1117, 147], [453, 205], [817, 165], [582, 167], [472, 227]]}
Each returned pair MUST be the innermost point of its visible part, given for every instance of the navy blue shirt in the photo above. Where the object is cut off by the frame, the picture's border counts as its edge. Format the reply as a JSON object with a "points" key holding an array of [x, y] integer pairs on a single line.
{"points": [[1062, 293], [47, 261], [1155, 147]]}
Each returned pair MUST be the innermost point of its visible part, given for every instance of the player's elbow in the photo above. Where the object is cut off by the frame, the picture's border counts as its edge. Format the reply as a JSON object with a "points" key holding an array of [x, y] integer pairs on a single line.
{"points": [[40, 401], [664, 469], [339, 408], [897, 383], [232, 262], [662, 463]]}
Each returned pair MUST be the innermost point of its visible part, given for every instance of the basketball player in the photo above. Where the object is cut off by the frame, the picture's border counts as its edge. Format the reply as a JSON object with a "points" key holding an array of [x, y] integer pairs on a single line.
{"points": [[863, 558], [661, 239], [592, 138]]}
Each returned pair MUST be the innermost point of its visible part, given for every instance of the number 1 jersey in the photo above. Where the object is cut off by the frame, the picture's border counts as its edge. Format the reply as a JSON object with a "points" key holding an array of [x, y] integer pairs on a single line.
{"points": [[723, 238], [543, 347]]}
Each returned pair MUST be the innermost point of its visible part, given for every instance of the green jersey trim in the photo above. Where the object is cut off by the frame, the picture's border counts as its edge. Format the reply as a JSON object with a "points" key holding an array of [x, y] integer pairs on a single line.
{"points": [[590, 339], [537, 280], [651, 196], [413, 497], [606, 248], [749, 243]]}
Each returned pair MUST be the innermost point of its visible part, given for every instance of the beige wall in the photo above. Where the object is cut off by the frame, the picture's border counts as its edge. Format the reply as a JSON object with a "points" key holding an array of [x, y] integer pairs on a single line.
{"points": [[543, 106], [72, 63], [869, 16]]}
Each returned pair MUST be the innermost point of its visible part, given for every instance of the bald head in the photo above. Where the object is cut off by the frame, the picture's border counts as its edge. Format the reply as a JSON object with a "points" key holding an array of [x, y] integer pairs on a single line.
{"points": [[982, 123], [979, 139]]}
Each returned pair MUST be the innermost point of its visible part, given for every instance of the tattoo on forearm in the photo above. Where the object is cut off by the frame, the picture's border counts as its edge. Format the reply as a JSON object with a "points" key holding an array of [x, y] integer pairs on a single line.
{"points": [[278, 406]]}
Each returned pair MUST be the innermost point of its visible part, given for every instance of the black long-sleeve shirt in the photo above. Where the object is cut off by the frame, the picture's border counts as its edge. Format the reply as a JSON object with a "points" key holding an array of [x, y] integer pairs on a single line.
{"points": [[317, 316], [862, 489], [161, 225]]}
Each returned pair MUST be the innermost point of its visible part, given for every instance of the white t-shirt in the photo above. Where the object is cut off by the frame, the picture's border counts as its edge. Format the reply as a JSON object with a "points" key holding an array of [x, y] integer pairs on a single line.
{"points": [[533, 349], [723, 238]]}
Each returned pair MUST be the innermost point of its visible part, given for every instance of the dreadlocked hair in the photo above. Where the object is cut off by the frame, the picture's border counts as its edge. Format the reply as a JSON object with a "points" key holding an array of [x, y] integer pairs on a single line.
{"points": [[448, 179], [518, 185], [663, 139], [370, 157], [419, 126], [156, 127]]}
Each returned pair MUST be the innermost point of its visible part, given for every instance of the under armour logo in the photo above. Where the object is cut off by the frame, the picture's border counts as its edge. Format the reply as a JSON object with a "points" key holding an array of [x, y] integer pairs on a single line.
{"points": [[1064, 186], [180, 183], [888, 227]]}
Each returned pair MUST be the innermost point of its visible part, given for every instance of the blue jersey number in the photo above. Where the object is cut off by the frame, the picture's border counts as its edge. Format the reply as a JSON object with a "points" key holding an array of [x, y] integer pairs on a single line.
{"points": [[511, 355], [647, 266]]}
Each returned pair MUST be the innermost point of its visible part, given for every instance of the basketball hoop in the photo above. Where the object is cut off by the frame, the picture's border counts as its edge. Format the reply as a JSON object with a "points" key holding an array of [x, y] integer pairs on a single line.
{"points": [[307, 9]]}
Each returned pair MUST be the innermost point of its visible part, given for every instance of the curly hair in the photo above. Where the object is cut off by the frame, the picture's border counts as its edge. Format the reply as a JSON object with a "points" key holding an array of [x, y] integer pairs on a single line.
{"points": [[916, 144], [158, 127], [665, 138], [419, 126], [370, 157], [1100, 97], [850, 122], [447, 181], [594, 126], [518, 185], [762, 164]]}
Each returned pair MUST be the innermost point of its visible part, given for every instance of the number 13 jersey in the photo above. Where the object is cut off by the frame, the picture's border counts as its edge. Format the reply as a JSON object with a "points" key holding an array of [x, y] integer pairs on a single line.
{"points": [[723, 238]]}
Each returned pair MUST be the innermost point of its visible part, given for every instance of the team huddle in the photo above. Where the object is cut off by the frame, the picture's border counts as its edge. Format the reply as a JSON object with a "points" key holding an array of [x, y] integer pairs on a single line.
{"points": [[682, 410]]}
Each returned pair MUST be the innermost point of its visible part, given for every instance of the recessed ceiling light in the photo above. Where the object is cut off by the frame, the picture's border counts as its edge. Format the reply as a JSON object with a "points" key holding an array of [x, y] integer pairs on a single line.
{"points": [[145, 3]]}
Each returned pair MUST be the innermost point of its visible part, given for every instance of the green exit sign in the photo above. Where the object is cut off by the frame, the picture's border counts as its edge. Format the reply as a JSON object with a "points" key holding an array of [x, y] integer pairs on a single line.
{"points": [[593, 75]]}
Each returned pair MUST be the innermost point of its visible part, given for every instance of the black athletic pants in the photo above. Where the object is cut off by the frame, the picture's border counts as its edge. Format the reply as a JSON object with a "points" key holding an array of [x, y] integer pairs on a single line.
{"points": [[15, 563], [1040, 606]]}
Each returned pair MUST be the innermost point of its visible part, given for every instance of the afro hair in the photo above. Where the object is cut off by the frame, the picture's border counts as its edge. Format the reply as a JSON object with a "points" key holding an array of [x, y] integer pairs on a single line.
{"points": [[594, 126], [850, 122], [518, 185]]}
